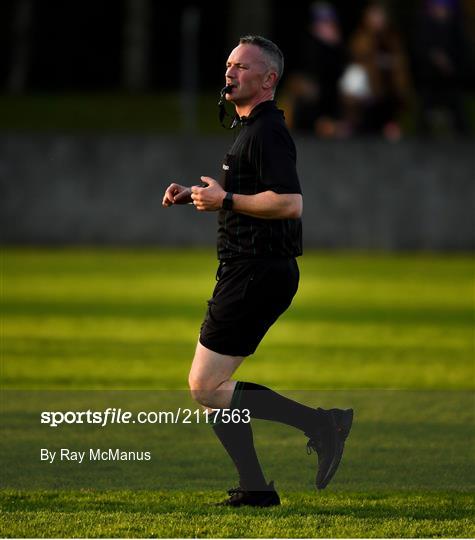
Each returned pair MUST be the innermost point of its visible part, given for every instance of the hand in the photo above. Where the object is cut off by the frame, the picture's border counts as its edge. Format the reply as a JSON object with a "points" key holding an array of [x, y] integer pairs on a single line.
{"points": [[176, 194], [210, 198]]}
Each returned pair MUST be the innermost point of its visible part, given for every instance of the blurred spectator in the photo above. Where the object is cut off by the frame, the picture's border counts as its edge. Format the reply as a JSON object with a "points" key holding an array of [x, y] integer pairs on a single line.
{"points": [[440, 66], [314, 86], [375, 86]]}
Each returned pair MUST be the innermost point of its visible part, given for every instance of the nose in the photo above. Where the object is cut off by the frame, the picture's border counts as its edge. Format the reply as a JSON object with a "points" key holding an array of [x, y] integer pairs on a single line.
{"points": [[230, 72]]}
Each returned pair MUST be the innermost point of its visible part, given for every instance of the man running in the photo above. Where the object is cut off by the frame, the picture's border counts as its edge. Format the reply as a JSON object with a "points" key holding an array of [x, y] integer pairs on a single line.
{"points": [[259, 201]]}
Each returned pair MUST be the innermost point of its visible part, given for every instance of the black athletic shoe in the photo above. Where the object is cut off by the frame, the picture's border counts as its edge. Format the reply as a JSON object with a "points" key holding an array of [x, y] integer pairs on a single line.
{"points": [[329, 443], [240, 497]]}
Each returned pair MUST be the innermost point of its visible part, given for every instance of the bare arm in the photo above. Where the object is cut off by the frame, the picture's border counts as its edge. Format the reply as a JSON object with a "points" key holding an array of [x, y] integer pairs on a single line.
{"points": [[269, 205], [264, 205]]}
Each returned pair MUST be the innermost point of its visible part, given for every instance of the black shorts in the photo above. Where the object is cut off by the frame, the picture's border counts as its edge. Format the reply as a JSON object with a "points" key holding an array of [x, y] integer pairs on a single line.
{"points": [[248, 298]]}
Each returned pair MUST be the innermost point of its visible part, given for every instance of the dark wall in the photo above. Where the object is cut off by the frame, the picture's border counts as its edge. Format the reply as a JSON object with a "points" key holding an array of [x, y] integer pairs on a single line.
{"points": [[108, 190]]}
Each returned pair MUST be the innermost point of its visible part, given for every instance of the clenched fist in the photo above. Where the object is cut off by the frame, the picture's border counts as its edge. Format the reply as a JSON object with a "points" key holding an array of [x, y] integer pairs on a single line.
{"points": [[209, 198]]}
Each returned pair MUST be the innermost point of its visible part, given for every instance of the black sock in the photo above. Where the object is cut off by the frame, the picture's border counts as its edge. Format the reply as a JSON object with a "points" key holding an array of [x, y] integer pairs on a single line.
{"points": [[266, 404], [238, 441]]}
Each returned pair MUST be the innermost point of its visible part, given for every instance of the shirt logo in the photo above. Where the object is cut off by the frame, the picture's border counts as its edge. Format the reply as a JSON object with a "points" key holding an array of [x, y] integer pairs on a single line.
{"points": [[225, 167]]}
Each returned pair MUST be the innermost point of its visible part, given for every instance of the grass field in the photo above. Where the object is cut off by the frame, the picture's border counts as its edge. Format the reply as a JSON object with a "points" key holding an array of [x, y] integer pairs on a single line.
{"points": [[104, 112], [391, 336], [149, 113]]}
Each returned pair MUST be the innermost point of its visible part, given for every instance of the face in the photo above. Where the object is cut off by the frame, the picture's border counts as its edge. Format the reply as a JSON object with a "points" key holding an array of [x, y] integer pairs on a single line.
{"points": [[439, 11], [376, 18], [326, 30], [248, 73]]}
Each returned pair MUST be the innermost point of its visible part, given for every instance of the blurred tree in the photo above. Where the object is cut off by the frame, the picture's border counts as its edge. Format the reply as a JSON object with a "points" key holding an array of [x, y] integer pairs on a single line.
{"points": [[190, 28], [248, 17], [136, 45], [20, 46]]}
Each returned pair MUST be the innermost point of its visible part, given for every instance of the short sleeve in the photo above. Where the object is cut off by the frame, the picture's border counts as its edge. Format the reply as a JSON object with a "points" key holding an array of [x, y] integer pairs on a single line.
{"points": [[275, 160]]}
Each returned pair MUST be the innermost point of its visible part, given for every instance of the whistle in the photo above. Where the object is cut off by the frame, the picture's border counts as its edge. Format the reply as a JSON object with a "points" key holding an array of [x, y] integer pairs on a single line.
{"points": [[226, 90], [221, 108]]}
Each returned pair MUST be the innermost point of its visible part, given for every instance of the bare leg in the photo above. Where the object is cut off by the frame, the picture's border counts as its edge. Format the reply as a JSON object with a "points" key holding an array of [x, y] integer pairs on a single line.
{"points": [[211, 385], [210, 377]]}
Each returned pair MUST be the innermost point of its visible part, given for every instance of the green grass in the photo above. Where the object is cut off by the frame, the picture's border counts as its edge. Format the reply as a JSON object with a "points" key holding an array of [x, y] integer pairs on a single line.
{"points": [[174, 514], [391, 336], [121, 112], [107, 112]]}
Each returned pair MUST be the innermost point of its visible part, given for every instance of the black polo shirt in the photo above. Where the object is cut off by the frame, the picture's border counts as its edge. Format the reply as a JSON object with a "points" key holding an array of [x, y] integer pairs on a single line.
{"points": [[262, 158]]}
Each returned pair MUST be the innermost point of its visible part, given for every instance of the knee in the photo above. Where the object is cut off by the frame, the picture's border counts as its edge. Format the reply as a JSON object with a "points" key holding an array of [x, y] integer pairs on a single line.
{"points": [[201, 391]]}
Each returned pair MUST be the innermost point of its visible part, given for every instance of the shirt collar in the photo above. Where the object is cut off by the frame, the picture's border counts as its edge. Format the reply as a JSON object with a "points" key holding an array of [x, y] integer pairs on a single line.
{"points": [[257, 110]]}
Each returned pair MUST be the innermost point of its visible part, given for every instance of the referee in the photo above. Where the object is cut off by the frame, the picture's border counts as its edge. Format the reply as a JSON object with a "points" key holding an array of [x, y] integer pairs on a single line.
{"points": [[259, 205]]}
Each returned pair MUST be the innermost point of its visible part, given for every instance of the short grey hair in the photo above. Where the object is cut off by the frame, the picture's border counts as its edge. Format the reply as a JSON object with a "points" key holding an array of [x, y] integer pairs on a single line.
{"points": [[269, 49]]}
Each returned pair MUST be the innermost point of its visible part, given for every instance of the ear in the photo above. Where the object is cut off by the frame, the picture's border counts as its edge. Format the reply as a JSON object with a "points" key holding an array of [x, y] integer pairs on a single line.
{"points": [[270, 80]]}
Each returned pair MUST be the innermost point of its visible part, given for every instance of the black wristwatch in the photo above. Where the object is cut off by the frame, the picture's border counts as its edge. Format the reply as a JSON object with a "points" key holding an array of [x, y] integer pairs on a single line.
{"points": [[228, 201]]}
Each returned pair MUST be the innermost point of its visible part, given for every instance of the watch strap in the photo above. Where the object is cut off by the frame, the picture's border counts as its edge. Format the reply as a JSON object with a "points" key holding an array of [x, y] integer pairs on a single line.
{"points": [[228, 201]]}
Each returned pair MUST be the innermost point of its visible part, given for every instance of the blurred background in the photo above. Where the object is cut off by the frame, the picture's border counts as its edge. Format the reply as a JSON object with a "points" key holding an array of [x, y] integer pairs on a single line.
{"points": [[105, 102]]}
